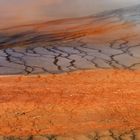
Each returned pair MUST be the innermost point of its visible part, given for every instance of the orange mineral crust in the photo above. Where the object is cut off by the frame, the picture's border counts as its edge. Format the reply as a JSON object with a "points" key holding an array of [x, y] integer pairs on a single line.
{"points": [[76, 102]]}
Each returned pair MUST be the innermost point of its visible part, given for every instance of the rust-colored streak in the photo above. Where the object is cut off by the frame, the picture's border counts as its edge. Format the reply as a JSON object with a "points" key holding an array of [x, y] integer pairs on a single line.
{"points": [[58, 104], [51, 32]]}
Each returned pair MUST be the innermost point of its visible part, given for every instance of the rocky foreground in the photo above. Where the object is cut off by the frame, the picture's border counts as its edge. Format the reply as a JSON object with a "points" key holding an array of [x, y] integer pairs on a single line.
{"points": [[98, 101]]}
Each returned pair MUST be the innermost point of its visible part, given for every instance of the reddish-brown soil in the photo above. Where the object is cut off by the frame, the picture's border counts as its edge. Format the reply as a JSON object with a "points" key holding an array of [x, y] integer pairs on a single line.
{"points": [[74, 102]]}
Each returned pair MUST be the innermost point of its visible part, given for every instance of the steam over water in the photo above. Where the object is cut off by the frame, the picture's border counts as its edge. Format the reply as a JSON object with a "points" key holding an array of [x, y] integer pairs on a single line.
{"points": [[15, 12]]}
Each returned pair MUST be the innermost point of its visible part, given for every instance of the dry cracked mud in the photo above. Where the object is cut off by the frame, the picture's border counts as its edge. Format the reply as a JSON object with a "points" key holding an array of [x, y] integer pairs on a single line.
{"points": [[107, 41], [102, 135]]}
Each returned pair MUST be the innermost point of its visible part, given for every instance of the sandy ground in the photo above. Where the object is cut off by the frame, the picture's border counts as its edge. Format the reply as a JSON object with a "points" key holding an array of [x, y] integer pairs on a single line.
{"points": [[76, 102]]}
